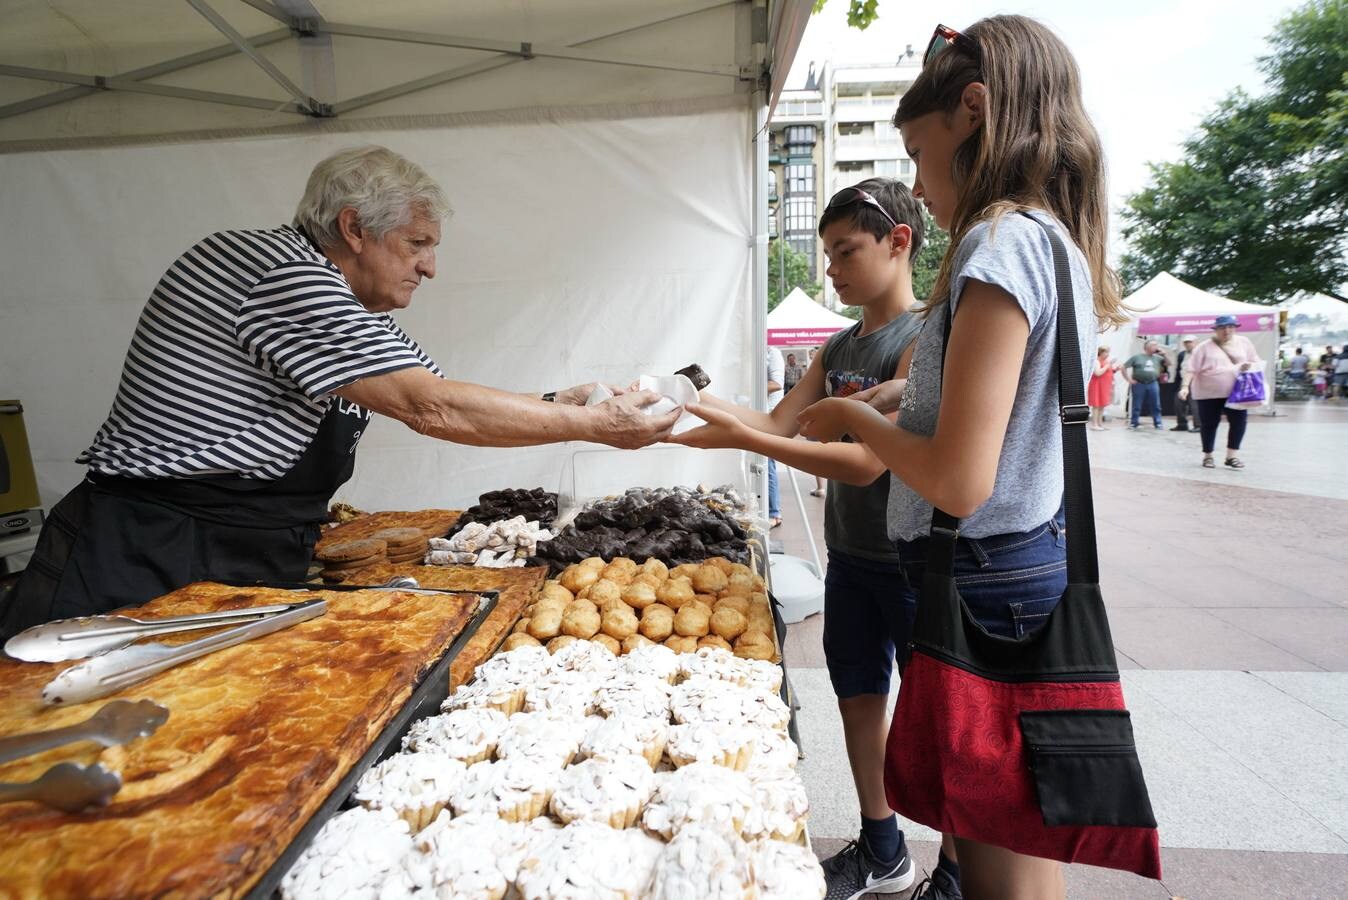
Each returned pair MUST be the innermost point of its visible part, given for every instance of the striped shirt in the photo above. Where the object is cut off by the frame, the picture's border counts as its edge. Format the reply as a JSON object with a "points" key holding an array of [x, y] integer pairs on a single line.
{"points": [[235, 359]]}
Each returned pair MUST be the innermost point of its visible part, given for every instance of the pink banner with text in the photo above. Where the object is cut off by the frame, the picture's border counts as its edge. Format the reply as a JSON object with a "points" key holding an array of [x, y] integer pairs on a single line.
{"points": [[799, 337], [1179, 324]]}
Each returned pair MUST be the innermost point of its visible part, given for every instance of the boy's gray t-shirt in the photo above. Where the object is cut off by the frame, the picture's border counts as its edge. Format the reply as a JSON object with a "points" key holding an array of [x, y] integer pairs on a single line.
{"points": [[1014, 254], [854, 517]]}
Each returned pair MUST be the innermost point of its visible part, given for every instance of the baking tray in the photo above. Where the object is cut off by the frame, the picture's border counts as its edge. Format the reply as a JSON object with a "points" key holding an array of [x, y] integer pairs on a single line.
{"points": [[788, 693], [426, 698]]}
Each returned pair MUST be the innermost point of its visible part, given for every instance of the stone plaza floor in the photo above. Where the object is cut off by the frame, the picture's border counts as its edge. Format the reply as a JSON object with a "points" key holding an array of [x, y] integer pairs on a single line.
{"points": [[1229, 611]]}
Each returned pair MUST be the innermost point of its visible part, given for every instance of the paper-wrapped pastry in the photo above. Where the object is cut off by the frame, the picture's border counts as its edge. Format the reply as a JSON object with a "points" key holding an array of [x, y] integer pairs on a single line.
{"points": [[694, 373], [699, 794], [611, 790], [360, 849], [589, 861], [785, 871], [468, 735], [416, 786]]}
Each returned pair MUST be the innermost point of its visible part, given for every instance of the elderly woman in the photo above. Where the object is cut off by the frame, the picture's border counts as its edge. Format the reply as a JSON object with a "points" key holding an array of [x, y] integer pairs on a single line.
{"points": [[1210, 375], [253, 371]]}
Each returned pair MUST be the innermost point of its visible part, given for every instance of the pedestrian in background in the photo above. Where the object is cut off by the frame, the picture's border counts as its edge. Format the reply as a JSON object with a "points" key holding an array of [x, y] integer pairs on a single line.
{"points": [[1100, 391], [776, 379], [1184, 408], [1212, 376], [1341, 374], [1143, 373]]}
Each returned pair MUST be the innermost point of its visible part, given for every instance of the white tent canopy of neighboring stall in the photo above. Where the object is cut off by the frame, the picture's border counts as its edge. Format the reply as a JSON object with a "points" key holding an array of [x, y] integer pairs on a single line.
{"points": [[798, 321], [606, 162]]}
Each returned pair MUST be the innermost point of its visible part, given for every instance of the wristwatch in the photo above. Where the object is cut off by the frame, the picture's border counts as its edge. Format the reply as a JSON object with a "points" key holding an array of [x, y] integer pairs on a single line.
{"points": [[550, 397]]}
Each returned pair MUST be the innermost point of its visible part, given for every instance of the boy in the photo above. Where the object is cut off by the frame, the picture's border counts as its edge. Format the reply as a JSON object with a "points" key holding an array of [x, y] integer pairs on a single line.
{"points": [[871, 233]]}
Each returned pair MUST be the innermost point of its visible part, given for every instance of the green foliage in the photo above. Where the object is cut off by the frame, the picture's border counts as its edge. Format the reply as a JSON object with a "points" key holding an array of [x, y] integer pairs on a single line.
{"points": [[797, 266], [1258, 207], [928, 262], [860, 13]]}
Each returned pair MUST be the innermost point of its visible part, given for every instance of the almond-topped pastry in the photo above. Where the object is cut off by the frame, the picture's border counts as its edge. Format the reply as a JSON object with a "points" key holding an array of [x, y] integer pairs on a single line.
{"points": [[357, 854], [780, 806], [515, 789], [519, 666], [652, 660], [627, 735], [785, 871], [570, 693], [542, 735], [699, 793], [468, 735], [731, 746], [611, 791], [704, 699], [474, 856], [585, 656], [589, 861], [505, 697], [635, 695], [773, 751], [703, 863], [414, 785]]}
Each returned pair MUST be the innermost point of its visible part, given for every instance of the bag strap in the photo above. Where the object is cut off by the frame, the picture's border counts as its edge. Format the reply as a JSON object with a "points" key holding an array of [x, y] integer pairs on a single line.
{"points": [[1083, 564]]}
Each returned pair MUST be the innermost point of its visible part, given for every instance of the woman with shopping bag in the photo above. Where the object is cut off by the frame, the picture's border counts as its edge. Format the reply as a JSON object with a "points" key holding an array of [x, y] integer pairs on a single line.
{"points": [[1010, 732], [1225, 376]]}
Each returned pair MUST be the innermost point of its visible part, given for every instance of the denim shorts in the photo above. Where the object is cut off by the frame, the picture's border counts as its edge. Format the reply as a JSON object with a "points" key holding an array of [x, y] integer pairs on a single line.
{"points": [[1010, 583], [865, 623]]}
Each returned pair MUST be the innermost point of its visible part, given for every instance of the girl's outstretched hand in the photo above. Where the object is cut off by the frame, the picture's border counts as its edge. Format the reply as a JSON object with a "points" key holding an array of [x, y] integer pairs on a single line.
{"points": [[722, 430], [825, 420]]}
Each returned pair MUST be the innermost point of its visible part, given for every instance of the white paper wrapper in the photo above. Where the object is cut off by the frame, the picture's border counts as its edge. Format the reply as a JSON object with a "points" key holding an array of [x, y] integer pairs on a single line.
{"points": [[675, 391]]}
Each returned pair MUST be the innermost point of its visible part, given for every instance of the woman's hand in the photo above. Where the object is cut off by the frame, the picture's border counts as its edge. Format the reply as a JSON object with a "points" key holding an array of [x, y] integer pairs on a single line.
{"points": [[1183, 393], [576, 396], [826, 420], [884, 397], [721, 431]]}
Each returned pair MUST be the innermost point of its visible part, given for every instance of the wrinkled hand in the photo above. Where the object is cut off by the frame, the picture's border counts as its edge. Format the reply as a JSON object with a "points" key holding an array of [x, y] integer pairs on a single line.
{"points": [[721, 431], [884, 397], [577, 395], [826, 420], [622, 423]]}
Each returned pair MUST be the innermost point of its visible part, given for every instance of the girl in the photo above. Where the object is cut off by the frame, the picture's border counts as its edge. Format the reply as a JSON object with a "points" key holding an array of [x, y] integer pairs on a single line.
{"points": [[996, 126], [1101, 389]]}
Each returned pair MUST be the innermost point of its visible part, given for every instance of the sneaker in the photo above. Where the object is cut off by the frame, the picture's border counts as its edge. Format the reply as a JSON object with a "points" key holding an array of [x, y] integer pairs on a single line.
{"points": [[939, 886], [1132, 428], [1180, 428], [854, 872], [1158, 426]]}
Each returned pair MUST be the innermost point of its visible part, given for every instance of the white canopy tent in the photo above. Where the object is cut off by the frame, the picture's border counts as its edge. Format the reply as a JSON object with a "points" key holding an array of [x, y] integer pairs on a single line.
{"points": [[606, 161], [798, 321]]}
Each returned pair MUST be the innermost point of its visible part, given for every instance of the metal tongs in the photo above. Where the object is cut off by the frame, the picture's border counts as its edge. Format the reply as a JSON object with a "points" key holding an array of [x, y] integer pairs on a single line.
{"points": [[120, 668]]}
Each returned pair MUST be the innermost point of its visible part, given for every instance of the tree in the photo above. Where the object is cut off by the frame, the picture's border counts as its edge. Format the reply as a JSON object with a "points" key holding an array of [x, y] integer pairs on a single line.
{"points": [[797, 266], [1258, 207], [860, 13]]}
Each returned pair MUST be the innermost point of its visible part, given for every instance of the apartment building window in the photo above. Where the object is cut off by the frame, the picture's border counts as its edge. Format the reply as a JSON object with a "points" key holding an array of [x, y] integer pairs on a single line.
{"points": [[885, 132], [800, 135], [800, 179], [905, 167], [887, 168], [800, 215]]}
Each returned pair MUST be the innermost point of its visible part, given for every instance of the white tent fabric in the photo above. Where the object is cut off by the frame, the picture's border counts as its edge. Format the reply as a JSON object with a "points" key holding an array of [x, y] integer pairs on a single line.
{"points": [[605, 215], [1317, 319], [799, 321]]}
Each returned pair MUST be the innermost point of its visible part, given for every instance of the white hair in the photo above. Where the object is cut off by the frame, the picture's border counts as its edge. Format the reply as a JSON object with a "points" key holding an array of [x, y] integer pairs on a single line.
{"points": [[385, 189]]}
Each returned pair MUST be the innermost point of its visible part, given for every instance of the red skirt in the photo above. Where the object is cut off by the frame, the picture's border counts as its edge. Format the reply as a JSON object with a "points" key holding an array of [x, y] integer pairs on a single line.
{"points": [[1101, 390]]}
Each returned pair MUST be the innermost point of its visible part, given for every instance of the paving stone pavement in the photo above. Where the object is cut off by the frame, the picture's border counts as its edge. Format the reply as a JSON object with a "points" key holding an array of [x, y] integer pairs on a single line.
{"points": [[1229, 614]]}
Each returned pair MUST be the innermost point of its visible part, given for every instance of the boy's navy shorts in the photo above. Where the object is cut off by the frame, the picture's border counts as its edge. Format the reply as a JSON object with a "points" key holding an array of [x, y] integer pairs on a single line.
{"points": [[865, 623]]}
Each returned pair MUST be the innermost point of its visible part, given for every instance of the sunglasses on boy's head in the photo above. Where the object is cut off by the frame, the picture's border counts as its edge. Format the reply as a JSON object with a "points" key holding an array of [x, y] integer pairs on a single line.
{"points": [[944, 37], [849, 195]]}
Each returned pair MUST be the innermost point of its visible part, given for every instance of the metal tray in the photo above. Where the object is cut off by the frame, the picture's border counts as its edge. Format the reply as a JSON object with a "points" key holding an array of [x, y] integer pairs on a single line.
{"points": [[425, 700]]}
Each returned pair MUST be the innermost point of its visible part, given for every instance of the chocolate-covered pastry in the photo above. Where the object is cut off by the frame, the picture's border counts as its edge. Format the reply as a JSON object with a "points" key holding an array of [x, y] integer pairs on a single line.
{"points": [[695, 374]]}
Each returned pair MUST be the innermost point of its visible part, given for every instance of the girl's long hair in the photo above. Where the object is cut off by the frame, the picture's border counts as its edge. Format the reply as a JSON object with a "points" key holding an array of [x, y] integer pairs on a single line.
{"points": [[1034, 149]]}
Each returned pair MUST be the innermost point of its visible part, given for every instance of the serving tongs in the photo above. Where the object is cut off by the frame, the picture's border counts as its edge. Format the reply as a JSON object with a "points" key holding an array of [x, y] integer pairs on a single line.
{"points": [[67, 639], [121, 668]]}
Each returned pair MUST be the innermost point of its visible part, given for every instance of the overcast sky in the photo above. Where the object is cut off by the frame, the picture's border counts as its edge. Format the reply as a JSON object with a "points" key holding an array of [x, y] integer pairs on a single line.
{"points": [[1151, 69]]}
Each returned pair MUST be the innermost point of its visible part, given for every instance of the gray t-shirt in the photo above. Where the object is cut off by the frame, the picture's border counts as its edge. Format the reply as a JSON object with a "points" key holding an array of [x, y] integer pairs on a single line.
{"points": [[1015, 255], [854, 517]]}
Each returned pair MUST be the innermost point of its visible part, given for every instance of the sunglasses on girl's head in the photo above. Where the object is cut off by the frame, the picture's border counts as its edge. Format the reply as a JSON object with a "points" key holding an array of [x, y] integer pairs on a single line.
{"points": [[942, 38], [849, 195]]}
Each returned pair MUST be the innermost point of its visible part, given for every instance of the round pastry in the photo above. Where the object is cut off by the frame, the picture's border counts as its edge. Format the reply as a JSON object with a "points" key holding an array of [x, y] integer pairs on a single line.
{"points": [[731, 601], [589, 861], [720, 562], [648, 578], [712, 663], [580, 621], [786, 871], [563, 693], [546, 623], [639, 594], [521, 627], [738, 569], [728, 623], [516, 789], [692, 620], [651, 660], [461, 857], [604, 592], [416, 786], [641, 696], [773, 752], [712, 640], [712, 742], [675, 592], [780, 807], [350, 551], [504, 696], [709, 580], [554, 592], [518, 640], [698, 794], [622, 570], [701, 863], [560, 641], [687, 570], [593, 562], [468, 735], [610, 643], [762, 674], [755, 645], [627, 735], [707, 600], [656, 568], [738, 585], [517, 666], [618, 622], [542, 735], [637, 641], [681, 644], [657, 622], [611, 791], [362, 850], [577, 578], [585, 656], [704, 699]]}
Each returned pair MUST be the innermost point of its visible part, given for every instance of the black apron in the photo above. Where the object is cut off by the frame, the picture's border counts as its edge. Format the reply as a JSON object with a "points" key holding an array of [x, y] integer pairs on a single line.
{"points": [[114, 542]]}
